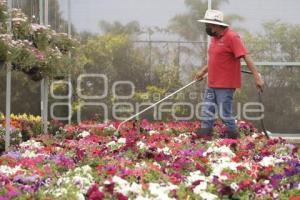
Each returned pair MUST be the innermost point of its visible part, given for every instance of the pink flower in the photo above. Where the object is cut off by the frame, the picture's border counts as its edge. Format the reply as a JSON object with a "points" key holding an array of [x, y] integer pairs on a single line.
{"points": [[227, 142]]}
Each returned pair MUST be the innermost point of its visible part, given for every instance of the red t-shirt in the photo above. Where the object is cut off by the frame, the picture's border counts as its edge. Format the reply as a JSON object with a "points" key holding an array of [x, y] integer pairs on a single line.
{"points": [[224, 66]]}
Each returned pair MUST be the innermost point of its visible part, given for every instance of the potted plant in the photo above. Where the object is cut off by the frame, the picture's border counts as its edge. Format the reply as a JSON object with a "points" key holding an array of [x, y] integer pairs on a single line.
{"points": [[41, 36], [3, 16], [4, 48], [63, 42], [20, 25], [27, 59]]}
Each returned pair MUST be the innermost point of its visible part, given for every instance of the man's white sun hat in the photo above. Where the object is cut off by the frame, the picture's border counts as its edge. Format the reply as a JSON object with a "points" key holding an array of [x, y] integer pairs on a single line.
{"points": [[213, 17]]}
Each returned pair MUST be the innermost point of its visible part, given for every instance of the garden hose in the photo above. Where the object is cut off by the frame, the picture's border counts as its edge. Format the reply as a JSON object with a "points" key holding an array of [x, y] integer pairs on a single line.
{"points": [[260, 100]]}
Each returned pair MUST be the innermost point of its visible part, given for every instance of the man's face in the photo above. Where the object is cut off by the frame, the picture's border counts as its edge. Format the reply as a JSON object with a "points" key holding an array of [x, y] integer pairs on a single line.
{"points": [[210, 29]]}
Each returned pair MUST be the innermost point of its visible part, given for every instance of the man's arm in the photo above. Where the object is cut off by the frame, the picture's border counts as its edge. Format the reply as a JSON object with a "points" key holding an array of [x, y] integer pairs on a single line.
{"points": [[251, 66], [199, 76]]}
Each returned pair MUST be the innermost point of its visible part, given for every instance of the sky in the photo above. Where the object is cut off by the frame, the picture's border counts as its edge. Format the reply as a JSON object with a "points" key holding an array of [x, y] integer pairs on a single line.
{"points": [[87, 13]]}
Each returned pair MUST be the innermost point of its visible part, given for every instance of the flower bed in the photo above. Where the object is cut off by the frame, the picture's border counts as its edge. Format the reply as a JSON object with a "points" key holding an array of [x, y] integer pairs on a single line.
{"points": [[159, 162]]}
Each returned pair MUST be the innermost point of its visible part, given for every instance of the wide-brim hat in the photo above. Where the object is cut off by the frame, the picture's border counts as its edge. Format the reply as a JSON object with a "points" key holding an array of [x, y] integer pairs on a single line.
{"points": [[213, 17]]}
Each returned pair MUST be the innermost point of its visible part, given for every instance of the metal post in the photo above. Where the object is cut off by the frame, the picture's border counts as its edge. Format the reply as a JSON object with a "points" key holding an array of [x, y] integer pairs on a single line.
{"points": [[8, 105], [41, 17], [46, 81], [45, 110], [8, 88], [41, 11], [178, 54], [69, 77], [209, 8], [42, 101], [46, 10]]}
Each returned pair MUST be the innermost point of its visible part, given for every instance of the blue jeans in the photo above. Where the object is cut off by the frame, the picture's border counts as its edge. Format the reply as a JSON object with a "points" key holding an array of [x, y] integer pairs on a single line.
{"points": [[220, 99]]}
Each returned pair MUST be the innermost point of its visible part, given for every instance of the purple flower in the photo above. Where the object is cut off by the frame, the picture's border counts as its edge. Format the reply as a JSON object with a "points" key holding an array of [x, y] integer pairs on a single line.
{"points": [[187, 152], [14, 154], [13, 193], [275, 180], [26, 179]]}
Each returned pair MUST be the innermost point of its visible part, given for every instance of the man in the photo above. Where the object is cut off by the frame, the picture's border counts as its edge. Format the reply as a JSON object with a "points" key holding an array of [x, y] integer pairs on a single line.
{"points": [[224, 74]]}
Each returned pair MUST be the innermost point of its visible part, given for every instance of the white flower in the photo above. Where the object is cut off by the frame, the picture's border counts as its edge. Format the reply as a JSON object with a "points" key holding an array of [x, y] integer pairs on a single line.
{"points": [[4, 169], [200, 188], [82, 182], [122, 141], [222, 150], [165, 150], [80, 196], [161, 191], [234, 186], [269, 161], [86, 169], [58, 192], [84, 134], [31, 144], [152, 132], [194, 176], [29, 154], [136, 188], [142, 145], [255, 135], [125, 187], [208, 196], [157, 164], [143, 198], [219, 167], [111, 144]]}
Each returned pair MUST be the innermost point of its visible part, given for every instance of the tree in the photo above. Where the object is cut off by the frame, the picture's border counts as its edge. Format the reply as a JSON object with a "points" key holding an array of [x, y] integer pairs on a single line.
{"points": [[131, 28]]}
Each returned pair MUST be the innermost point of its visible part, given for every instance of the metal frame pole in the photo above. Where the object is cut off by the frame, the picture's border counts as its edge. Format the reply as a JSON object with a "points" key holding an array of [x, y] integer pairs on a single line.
{"points": [[209, 3], [69, 76], [8, 88], [43, 12], [46, 81]]}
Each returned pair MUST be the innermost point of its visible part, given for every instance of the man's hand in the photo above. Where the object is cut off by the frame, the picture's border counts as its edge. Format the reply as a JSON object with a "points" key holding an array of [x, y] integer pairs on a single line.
{"points": [[259, 83], [257, 77], [199, 76]]}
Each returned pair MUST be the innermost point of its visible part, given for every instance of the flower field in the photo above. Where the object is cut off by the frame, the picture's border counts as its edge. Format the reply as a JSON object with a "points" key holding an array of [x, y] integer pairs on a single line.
{"points": [[155, 161]]}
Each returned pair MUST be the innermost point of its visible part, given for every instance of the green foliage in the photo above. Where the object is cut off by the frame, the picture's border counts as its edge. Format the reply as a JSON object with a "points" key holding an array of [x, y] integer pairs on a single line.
{"points": [[3, 49], [278, 42], [117, 28]]}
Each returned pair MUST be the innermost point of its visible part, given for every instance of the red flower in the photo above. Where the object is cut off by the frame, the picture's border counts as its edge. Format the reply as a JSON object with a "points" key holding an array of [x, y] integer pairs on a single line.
{"points": [[244, 184], [120, 196], [93, 193], [236, 159], [201, 168], [295, 198], [79, 153], [109, 187]]}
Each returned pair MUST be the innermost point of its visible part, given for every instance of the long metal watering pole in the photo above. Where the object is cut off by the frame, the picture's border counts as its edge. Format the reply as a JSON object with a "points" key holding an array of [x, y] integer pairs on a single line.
{"points": [[137, 114]]}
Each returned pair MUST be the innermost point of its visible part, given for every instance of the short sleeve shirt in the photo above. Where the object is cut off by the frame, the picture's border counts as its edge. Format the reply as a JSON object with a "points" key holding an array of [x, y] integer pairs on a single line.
{"points": [[224, 66]]}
